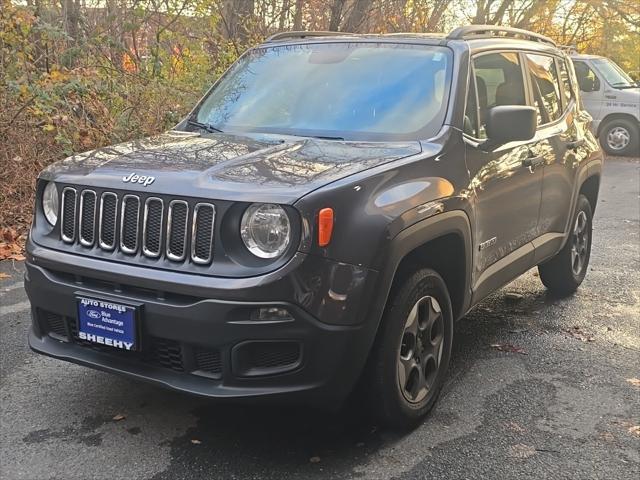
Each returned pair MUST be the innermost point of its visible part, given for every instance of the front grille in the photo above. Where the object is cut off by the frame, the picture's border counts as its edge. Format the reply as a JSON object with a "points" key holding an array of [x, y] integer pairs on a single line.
{"points": [[152, 227], [68, 215], [107, 220], [177, 230], [203, 219], [87, 217], [139, 225], [129, 221]]}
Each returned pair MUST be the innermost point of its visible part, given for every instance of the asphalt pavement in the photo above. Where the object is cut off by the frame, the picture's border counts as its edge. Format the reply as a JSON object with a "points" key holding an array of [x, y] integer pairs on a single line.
{"points": [[538, 388]]}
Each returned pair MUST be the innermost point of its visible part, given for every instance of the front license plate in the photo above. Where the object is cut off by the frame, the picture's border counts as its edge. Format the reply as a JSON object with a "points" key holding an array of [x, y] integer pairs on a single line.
{"points": [[108, 323]]}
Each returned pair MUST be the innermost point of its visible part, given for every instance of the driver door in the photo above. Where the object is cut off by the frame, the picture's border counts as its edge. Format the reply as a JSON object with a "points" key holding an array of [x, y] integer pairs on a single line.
{"points": [[506, 181]]}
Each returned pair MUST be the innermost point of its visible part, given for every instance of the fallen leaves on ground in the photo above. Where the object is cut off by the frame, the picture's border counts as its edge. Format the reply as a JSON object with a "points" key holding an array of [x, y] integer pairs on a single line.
{"points": [[11, 244], [515, 427], [577, 333], [630, 427], [513, 296], [118, 417], [608, 436], [634, 381], [506, 347], [521, 451]]}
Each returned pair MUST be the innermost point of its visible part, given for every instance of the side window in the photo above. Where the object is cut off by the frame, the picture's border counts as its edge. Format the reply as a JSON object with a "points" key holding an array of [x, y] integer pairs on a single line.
{"points": [[546, 87], [567, 86], [471, 111], [499, 81], [588, 81]]}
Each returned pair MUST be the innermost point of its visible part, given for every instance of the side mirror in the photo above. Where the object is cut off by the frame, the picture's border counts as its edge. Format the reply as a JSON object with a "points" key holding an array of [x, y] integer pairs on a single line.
{"points": [[589, 84], [510, 123]]}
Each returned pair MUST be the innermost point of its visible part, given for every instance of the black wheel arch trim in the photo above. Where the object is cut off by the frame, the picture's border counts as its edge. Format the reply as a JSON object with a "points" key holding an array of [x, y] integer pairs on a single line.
{"points": [[592, 169], [407, 240], [449, 222]]}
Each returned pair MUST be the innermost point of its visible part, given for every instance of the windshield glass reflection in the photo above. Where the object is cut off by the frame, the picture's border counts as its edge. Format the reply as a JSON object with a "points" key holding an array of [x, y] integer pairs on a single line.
{"points": [[337, 90]]}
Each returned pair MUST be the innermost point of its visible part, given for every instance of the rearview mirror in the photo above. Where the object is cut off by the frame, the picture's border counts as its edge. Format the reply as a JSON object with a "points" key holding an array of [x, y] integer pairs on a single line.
{"points": [[510, 123]]}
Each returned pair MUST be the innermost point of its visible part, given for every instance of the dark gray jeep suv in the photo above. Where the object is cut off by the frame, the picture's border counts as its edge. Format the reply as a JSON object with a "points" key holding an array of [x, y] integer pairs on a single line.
{"points": [[321, 219]]}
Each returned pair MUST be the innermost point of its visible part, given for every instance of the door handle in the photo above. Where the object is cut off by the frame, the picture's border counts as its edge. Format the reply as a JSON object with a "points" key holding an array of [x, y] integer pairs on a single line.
{"points": [[575, 144], [533, 162]]}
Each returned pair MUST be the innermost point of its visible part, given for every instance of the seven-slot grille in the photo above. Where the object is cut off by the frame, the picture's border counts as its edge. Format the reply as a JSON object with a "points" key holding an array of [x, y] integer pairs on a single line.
{"points": [[131, 224]]}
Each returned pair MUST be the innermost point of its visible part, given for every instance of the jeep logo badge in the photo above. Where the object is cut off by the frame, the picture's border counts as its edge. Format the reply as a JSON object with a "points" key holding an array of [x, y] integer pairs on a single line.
{"points": [[135, 178]]}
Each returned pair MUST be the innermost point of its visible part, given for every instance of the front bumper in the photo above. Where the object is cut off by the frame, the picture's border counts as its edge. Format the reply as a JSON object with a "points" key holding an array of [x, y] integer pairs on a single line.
{"points": [[197, 333]]}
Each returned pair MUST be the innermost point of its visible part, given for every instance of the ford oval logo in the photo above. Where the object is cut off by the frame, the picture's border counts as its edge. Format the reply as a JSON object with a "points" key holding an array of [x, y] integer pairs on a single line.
{"points": [[94, 314]]}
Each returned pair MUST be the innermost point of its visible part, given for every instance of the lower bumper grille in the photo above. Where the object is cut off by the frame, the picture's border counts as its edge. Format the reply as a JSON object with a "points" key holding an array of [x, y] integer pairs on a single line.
{"points": [[256, 358], [159, 352]]}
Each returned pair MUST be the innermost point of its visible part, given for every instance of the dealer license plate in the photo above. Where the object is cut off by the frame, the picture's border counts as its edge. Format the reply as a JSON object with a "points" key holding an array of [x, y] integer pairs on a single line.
{"points": [[107, 323]]}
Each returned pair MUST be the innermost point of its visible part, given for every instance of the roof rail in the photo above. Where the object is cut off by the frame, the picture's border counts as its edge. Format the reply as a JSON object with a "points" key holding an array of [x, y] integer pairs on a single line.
{"points": [[569, 49], [295, 34], [490, 31]]}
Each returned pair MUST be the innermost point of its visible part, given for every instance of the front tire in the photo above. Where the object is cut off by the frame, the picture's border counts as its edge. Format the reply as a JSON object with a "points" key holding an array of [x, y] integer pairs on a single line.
{"points": [[411, 355], [564, 273], [620, 137]]}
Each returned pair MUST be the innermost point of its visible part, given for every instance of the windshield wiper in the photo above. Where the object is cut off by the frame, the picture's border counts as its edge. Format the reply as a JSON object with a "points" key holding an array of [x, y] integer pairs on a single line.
{"points": [[204, 126], [622, 85], [324, 137]]}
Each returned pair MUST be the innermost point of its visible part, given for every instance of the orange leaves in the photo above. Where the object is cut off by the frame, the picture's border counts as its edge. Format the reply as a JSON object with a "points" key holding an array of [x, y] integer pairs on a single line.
{"points": [[11, 244]]}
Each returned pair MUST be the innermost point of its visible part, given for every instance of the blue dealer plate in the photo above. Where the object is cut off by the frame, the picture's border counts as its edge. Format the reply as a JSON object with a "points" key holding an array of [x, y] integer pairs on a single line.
{"points": [[107, 323]]}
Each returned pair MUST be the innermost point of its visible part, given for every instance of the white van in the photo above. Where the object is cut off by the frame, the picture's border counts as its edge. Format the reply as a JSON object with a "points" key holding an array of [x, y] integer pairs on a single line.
{"points": [[612, 98]]}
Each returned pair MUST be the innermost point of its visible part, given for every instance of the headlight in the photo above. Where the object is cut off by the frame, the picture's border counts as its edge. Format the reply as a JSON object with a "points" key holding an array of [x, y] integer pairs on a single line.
{"points": [[265, 230], [50, 203]]}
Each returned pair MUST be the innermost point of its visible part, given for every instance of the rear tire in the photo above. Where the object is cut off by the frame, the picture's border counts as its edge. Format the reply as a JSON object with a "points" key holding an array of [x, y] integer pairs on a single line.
{"points": [[410, 358], [620, 136], [564, 273]]}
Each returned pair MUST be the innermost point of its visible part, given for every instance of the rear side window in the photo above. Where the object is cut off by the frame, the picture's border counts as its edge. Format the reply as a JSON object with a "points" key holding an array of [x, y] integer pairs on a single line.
{"points": [[546, 87], [499, 81]]}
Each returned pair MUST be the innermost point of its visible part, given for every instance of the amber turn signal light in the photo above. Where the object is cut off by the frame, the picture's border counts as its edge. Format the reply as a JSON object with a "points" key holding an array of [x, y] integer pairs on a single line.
{"points": [[325, 226]]}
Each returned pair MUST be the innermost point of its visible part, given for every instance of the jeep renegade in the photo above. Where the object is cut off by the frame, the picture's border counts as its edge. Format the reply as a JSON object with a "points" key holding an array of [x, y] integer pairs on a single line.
{"points": [[321, 219]]}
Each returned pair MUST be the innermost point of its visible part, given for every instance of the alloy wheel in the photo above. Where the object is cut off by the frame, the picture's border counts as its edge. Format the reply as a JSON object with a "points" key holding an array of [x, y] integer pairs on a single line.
{"points": [[580, 242], [421, 349]]}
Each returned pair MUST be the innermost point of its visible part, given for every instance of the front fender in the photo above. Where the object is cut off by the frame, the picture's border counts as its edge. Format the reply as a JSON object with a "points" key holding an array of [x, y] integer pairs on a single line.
{"points": [[450, 222], [456, 222]]}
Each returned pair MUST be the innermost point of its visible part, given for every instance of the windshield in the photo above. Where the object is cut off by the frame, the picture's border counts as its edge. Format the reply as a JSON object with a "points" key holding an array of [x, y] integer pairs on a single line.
{"points": [[370, 91], [613, 74]]}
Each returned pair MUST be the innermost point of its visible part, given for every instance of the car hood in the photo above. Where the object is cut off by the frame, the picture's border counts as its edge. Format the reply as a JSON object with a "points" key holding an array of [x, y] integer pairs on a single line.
{"points": [[225, 166]]}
